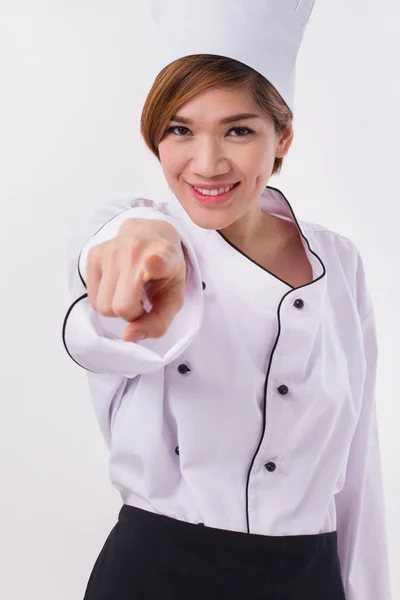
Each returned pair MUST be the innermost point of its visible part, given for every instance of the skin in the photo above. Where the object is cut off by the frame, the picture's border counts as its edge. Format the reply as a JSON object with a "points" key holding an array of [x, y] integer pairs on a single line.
{"points": [[149, 253], [206, 151]]}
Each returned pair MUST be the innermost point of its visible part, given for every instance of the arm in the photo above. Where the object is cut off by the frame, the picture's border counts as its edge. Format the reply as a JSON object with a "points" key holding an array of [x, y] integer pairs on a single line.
{"points": [[361, 523], [94, 341]]}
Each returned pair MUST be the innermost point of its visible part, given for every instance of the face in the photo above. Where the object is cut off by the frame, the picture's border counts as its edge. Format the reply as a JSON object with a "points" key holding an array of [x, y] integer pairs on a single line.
{"points": [[207, 145]]}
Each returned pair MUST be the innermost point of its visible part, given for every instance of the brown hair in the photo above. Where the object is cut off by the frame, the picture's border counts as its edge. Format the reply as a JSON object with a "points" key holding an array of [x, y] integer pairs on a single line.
{"points": [[186, 77]]}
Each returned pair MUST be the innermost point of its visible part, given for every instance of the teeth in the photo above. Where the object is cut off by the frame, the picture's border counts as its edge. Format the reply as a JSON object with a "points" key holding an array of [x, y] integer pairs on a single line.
{"points": [[214, 192]]}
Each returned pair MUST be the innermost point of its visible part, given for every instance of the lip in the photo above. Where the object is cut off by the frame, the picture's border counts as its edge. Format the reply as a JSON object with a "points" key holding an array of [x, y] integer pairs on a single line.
{"points": [[215, 186], [213, 200]]}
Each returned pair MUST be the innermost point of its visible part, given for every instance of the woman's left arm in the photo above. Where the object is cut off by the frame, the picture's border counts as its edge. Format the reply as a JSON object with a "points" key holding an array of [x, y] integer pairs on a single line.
{"points": [[361, 521]]}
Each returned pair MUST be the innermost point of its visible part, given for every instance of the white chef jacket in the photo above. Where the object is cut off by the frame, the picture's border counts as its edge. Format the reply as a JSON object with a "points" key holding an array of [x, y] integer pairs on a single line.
{"points": [[256, 411]]}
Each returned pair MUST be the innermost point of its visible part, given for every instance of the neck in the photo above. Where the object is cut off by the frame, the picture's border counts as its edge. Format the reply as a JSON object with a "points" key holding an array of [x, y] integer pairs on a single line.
{"points": [[257, 230]]}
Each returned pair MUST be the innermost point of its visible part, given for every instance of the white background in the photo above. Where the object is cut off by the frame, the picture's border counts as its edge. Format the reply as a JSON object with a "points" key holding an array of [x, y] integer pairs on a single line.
{"points": [[73, 78]]}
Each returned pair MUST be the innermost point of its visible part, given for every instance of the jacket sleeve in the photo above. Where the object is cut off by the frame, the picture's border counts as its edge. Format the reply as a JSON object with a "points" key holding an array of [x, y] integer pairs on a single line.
{"points": [[360, 505], [96, 342]]}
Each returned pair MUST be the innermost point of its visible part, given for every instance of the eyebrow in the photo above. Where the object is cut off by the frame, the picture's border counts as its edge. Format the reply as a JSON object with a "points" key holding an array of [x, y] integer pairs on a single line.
{"points": [[231, 119]]}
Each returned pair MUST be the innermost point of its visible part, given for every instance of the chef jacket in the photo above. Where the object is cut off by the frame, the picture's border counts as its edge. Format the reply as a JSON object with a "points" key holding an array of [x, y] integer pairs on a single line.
{"points": [[256, 411]]}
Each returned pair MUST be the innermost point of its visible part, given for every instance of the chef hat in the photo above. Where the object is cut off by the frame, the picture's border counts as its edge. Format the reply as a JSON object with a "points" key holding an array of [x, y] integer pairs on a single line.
{"points": [[263, 34]]}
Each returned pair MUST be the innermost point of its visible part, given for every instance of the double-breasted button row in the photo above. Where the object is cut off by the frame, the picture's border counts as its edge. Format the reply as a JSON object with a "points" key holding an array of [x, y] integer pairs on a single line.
{"points": [[184, 368], [283, 389]]}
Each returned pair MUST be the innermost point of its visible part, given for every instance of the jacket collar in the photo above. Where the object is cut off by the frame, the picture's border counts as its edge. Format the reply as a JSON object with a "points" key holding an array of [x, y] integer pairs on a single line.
{"points": [[274, 202]]}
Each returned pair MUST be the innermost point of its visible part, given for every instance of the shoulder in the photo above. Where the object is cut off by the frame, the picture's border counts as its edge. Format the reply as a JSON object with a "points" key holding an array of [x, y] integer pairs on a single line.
{"points": [[330, 241], [341, 257]]}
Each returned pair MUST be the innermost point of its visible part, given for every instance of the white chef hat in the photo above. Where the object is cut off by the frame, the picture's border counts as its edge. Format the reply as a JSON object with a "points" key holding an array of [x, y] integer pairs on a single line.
{"points": [[263, 34]]}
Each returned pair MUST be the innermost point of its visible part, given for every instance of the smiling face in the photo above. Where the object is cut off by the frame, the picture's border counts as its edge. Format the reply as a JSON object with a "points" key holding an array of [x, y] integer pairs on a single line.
{"points": [[208, 145]]}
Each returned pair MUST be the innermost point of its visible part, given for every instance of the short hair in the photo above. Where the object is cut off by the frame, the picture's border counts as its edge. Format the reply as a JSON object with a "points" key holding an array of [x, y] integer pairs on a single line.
{"points": [[189, 76]]}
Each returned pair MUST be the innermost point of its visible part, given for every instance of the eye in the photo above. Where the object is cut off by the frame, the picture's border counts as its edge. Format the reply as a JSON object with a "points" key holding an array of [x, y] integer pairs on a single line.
{"points": [[247, 131], [182, 130]]}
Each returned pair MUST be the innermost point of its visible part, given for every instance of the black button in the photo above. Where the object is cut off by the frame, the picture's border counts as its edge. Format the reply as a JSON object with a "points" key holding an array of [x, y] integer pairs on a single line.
{"points": [[177, 450], [270, 466], [299, 303], [283, 390], [204, 285], [183, 369], [200, 524]]}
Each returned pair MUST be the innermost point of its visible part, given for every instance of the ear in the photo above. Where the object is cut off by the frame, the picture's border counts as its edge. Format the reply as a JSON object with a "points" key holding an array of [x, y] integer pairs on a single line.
{"points": [[285, 141]]}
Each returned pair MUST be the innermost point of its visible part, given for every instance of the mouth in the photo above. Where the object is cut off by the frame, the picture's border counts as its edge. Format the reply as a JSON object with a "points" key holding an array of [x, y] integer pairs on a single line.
{"points": [[213, 196]]}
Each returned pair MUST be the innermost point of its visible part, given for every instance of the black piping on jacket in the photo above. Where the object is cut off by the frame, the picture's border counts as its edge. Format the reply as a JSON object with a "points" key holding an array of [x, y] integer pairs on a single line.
{"points": [[83, 297], [273, 349]]}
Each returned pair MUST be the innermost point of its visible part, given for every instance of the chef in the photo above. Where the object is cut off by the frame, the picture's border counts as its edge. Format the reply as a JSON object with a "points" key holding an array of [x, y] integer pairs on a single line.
{"points": [[230, 348]]}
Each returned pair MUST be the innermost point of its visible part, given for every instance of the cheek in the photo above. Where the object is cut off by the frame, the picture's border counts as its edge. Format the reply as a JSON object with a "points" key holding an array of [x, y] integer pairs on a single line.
{"points": [[256, 160], [255, 166], [170, 159]]}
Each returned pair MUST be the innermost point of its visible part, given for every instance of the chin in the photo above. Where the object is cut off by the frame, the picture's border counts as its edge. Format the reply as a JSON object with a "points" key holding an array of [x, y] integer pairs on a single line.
{"points": [[210, 219]]}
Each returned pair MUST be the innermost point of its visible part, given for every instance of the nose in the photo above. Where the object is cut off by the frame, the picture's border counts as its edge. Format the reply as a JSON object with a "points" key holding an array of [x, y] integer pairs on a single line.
{"points": [[208, 159]]}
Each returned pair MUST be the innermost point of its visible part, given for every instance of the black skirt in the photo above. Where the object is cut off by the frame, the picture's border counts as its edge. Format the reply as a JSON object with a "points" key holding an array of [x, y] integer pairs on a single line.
{"points": [[149, 556]]}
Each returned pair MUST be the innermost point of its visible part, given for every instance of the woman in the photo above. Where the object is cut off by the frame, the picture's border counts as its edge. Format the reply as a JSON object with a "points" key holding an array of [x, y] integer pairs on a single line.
{"points": [[231, 356]]}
